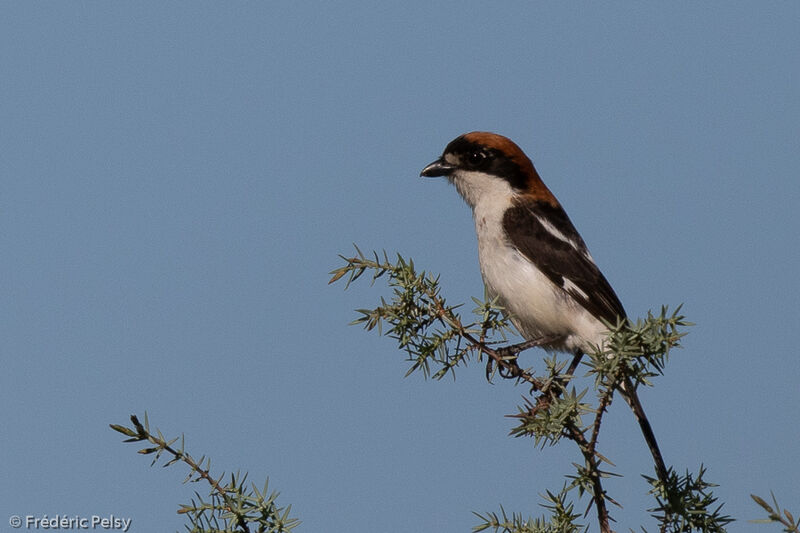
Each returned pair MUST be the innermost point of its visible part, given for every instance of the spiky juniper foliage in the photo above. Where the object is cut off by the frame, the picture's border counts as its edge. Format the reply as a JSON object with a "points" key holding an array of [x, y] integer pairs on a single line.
{"points": [[232, 507], [556, 408], [777, 515], [545, 420], [562, 518], [432, 334], [686, 504], [638, 350], [429, 330]]}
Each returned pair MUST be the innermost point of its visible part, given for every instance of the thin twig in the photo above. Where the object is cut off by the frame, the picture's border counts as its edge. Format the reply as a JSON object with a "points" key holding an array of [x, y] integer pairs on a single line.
{"points": [[200, 471], [598, 494], [602, 407]]}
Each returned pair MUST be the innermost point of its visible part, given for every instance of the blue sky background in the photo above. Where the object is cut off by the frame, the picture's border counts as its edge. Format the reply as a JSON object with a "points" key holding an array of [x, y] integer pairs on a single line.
{"points": [[178, 179]]}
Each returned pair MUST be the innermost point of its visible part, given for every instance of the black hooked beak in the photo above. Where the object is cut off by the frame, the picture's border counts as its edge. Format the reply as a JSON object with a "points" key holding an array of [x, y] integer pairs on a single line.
{"points": [[440, 167]]}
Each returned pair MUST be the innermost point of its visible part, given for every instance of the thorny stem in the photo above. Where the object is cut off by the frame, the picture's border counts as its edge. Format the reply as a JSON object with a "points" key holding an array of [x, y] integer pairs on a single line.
{"points": [[143, 434], [602, 407], [598, 494], [506, 359]]}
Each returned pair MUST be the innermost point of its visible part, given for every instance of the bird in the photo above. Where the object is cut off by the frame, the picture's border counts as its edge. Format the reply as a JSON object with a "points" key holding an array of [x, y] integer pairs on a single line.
{"points": [[533, 261]]}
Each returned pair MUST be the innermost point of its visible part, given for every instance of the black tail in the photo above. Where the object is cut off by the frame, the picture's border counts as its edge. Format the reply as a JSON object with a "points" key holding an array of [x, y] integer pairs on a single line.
{"points": [[629, 393]]}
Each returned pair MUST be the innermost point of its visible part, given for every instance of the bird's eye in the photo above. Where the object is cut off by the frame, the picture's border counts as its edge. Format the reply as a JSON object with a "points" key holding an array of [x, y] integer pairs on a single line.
{"points": [[476, 159]]}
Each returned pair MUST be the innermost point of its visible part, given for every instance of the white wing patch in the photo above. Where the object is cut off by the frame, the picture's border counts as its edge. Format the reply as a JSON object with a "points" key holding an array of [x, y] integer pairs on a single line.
{"points": [[555, 232], [569, 286]]}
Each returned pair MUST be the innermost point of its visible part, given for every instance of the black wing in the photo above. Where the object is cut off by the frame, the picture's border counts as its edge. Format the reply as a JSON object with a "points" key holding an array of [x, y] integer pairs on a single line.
{"points": [[544, 234]]}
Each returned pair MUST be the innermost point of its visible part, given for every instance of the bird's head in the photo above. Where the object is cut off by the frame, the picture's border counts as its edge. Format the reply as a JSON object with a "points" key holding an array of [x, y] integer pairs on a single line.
{"points": [[486, 166]]}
